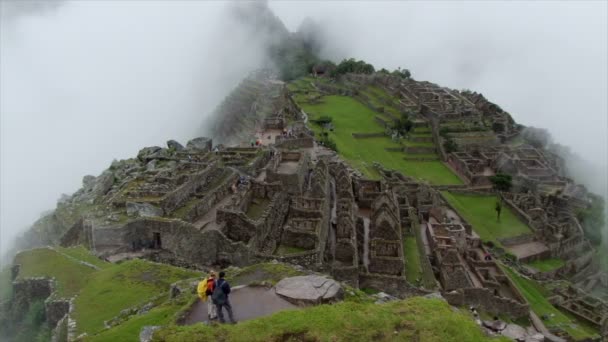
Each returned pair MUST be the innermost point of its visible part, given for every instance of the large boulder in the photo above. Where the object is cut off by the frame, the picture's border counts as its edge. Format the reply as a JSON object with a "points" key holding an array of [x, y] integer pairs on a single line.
{"points": [[103, 183], [200, 143], [174, 145], [143, 209], [146, 153], [309, 290]]}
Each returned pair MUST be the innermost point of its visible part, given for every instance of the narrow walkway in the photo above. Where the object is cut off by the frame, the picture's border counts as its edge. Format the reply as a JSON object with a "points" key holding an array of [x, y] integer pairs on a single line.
{"points": [[247, 303], [540, 326]]}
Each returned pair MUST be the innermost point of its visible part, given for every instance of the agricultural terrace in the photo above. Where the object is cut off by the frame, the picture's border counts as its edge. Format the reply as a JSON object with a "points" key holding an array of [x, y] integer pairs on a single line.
{"points": [[537, 296], [350, 116], [480, 212]]}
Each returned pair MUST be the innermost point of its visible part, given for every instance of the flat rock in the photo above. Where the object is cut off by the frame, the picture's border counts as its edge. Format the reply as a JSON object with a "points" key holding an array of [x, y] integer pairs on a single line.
{"points": [[495, 325], [537, 337], [146, 333], [309, 290], [515, 332]]}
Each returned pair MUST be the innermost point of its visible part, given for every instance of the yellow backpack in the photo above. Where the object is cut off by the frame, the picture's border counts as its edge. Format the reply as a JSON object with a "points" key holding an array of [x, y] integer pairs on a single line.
{"points": [[202, 289]]}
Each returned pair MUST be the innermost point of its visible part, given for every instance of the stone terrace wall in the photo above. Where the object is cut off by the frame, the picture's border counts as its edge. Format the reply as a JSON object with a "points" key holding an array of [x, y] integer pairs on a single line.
{"points": [[368, 135], [307, 142], [179, 196], [485, 300], [211, 199], [236, 225], [396, 286]]}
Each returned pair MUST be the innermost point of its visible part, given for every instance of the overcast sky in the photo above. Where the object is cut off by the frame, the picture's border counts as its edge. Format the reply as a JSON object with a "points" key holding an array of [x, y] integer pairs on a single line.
{"points": [[90, 81]]}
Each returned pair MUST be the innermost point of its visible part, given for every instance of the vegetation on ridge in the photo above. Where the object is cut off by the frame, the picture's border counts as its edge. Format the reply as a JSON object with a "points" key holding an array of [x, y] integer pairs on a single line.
{"points": [[413, 319]]}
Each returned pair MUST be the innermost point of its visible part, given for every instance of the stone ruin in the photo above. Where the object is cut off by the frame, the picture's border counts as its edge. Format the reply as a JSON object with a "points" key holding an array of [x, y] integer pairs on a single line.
{"points": [[525, 164], [581, 304], [293, 201], [468, 274]]}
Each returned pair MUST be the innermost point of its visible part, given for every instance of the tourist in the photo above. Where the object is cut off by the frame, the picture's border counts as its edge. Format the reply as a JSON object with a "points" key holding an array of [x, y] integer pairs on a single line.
{"points": [[205, 289], [221, 300]]}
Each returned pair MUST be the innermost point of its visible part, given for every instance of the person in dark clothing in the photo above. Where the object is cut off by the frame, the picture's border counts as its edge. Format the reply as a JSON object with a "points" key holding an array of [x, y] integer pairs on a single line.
{"points": [[221, 300]]}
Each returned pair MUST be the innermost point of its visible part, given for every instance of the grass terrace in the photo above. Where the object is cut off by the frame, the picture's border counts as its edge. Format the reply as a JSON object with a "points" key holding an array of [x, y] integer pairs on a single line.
{"points": [[413, 269], [537, 296], [71, 276], [134, 282], [547, 265], [257, 207], [350, 116], [479, 211]]}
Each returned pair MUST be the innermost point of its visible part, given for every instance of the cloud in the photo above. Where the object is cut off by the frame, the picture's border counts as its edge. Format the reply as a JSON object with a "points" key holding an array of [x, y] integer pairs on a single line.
{"points": [[85, 82]]}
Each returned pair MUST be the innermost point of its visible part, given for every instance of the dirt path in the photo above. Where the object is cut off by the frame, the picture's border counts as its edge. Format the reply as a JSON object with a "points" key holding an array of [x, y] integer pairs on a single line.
{"points": [[247, 303]]}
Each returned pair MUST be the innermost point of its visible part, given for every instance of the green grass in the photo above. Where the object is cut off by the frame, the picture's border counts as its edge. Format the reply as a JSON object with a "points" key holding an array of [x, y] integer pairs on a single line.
{"points": [[122, 286], [537, 297], [6, 287], [547, 264], [479, 211], [129, 330], [413, 270], [417, 319], [284, 250], [257, 207], [349, 116], [84, 254], [71, 276]]}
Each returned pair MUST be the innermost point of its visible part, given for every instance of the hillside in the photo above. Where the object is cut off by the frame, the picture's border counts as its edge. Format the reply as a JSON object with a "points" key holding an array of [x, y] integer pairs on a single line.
{"points": [[399, 208]]}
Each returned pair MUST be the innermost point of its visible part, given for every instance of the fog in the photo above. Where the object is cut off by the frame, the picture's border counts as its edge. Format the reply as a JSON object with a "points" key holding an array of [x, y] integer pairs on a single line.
{"points": [[82, 83]]}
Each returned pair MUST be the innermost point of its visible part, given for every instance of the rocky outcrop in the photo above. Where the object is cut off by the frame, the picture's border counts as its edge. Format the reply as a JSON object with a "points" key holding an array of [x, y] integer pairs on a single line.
{"points": [[174, 145], [143, 209], [200, 143], [309, 290]]}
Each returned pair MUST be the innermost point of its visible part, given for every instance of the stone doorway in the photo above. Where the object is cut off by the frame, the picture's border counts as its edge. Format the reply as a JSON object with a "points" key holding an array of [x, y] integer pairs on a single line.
{"points": [[157, 240]]}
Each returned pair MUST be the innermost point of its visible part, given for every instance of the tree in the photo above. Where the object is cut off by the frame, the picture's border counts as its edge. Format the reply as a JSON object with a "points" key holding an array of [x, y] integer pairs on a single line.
{"points": [[352, 66], [403, 125], [450, 145], [502, 182], [403, 73], [498, 208]]}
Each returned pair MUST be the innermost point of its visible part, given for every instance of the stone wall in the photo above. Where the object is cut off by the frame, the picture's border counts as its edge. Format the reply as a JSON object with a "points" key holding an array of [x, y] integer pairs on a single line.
{"points": [[55, 310], [419, 150], [396, 286], [211, 198], [484, 299], [517, 240], [292, 182], [294, 143], [236, 225], [179, 237], [181, 194], [27, 291]]}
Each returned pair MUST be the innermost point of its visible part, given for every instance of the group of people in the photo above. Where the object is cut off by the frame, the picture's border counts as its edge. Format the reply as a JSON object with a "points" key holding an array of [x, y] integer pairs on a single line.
{"points": [[215, 292]]}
